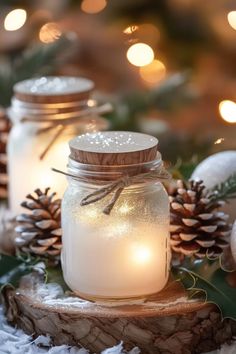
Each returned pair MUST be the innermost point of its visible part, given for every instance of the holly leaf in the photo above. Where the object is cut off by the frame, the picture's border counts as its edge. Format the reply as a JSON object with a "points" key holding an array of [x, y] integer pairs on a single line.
{"points": [[214, 283], [11, 270], [8, 263]]}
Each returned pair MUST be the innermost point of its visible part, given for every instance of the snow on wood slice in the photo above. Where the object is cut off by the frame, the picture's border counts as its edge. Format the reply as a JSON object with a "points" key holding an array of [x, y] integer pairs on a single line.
{"points": [[165, 323]]}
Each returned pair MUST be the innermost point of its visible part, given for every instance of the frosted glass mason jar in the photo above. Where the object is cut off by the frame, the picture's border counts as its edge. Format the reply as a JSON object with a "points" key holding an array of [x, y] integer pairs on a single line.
{"points": [[124, 254], [46, 113]]}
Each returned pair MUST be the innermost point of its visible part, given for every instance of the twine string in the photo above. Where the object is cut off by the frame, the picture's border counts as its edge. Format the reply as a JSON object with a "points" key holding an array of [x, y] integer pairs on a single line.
{"points": [[63, 123], [59, 131], [116, 188]]}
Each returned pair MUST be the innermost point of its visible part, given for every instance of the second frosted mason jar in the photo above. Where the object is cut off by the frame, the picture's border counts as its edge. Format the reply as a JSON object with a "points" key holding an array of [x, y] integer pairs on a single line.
{"points": [[46, 113], [124, 254]]}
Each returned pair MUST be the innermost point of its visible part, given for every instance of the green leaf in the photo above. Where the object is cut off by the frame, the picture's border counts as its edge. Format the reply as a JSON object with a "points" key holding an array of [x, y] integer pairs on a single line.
{"points": [[184, 169], [11, 270], [13, 277], [208, 277], [7, 263], [54, 275]]}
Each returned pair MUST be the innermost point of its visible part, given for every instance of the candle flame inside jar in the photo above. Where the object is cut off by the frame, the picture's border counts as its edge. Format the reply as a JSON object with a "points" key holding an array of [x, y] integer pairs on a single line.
{"points": [[141, 254]]}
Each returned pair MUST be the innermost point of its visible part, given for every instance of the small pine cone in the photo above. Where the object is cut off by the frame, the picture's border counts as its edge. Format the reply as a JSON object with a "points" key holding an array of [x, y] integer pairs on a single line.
{"points": [[4, 130], [197, 227], [40, 231]]}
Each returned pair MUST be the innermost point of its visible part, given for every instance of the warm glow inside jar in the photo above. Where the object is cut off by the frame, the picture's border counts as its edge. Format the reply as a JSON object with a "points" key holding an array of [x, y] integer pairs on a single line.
{"points": [[124, 254], [46, 113]]}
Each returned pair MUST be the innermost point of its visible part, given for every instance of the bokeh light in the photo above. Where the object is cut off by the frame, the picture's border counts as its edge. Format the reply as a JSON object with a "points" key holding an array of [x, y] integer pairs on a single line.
{"points": [[153, 72], [227, 110], [15, 19], [219, 141], [91, 103], [93, 6], [130, 29], [232, 19], [140, 54], [49, 32]]}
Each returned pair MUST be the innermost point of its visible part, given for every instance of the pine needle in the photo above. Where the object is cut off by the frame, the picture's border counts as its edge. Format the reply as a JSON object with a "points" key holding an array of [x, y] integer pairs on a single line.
{"points": [[39, 60], [225, 190]]}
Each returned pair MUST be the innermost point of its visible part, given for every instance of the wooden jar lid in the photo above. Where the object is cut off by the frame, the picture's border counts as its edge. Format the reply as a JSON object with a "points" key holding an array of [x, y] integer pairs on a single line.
{"points": [[113, 148], [53, 89]]}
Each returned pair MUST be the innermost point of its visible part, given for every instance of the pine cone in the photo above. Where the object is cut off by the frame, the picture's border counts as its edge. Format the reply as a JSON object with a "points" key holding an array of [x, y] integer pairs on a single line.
{"points": [[40, 231], [4, 130], [197, 227]]}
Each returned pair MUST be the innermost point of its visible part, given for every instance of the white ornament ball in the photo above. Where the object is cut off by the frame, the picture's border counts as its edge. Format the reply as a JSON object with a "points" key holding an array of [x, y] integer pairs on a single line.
{"points": [[233, 241], [214, 170]]}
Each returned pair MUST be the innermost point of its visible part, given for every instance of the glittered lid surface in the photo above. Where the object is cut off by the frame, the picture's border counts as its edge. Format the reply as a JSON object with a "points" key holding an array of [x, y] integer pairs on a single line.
{"points": [[113, 148], [53, 89]]}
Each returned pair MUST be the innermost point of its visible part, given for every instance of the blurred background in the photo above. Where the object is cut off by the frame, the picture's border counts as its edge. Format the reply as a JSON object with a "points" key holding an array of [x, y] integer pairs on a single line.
{"points": [[168, 66]]}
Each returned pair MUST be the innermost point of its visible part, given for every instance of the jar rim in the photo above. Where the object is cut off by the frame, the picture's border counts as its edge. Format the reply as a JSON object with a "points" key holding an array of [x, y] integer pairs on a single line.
{"points": [[52, 111], [110, 172], [88, 112], [42, 106]]}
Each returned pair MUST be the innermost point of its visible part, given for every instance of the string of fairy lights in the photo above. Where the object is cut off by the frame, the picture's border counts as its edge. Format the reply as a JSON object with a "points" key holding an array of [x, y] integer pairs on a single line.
{"points": [[139, 54]]}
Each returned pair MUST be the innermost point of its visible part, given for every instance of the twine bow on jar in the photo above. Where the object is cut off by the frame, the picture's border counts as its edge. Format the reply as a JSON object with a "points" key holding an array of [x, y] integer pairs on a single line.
{"points": [[116, 188]]}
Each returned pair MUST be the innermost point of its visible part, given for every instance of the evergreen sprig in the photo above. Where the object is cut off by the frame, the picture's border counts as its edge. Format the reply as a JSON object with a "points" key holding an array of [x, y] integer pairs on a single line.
{"points": [[167, 96], [38, 60], [225, 190]]}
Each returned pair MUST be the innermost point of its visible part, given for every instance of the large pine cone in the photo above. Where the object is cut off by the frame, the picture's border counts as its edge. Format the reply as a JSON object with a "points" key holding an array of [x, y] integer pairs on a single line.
{"points": [[40, 231], [197, 227]]}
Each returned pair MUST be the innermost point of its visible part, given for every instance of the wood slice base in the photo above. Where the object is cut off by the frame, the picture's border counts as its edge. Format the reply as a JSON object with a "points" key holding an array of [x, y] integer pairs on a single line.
{"points": [[165, 323]]}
